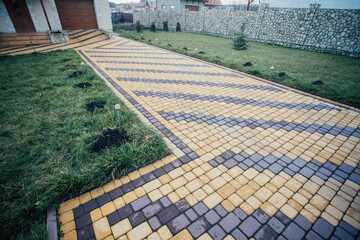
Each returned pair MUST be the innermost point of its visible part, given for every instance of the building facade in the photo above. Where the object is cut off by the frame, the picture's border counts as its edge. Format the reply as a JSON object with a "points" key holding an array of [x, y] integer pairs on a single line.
{"points": [[20, 16], [180, 5]]}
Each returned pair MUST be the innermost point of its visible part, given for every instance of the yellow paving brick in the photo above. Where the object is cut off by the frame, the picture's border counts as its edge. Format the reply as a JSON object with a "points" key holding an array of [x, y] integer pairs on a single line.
{"points": [[319, 202], [121, 228], [164, 179], [173, 197], [109, 186], [352, 222], [292, 203], [289, 211], [200, 194], [189, 176], [139, 192], [261, 179], [194, 185], [311, 187], [69, 205], [97, 192], [245, 192], [263, 194], [155, 195], [107, 208], [191, 199], [66, 217], [204, 179], [334, 212], [212, 200], [217, 183], [214, 173], [183, 235], [95, 215], [253, 202], [176, 173], [247, 208], [278, 200], [175, 184], [250, 173], [226, 190], [308, 215], [164, 233], [330, 219], [154, 236], [165, 189], [139, 232], [84, 198], [119, 202], [129, 197], [102, 228], [293, 185], [286, 192], [205, 236], [182, 192], [228, 205], [70, 235], [269, 209], [109, 238], [70, 226], [150, 186]]}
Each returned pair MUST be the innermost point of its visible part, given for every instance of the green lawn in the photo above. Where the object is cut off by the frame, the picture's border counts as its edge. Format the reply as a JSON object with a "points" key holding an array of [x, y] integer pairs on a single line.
{"points": [[46, 137], [340, 74]]}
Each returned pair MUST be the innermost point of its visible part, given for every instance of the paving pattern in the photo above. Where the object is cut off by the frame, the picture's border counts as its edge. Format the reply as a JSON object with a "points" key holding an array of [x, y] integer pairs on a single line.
{"points": [[251, 159]]}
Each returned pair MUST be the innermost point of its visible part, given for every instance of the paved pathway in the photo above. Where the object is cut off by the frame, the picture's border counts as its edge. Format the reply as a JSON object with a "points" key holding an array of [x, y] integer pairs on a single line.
{"points": [[251, 159]]}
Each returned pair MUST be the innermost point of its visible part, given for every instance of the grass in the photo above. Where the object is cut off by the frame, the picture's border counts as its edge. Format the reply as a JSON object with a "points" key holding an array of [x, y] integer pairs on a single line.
{"points": [[46, 137], [340, 74]]}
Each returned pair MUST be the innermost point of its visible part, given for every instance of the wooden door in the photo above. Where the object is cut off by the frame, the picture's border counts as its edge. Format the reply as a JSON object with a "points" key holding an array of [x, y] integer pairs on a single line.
{"points": [[192, 8], [20, 15], [76, 14]]}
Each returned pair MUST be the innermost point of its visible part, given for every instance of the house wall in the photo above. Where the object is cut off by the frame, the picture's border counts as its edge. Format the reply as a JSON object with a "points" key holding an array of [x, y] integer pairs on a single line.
{"points": [[325, 30], [103, 15], [102, 12], [6, 25]]}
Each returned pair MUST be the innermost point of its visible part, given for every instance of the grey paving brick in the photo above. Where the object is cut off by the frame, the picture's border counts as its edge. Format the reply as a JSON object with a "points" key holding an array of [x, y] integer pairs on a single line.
{"points": [[217, 233], [199, 227], [293, 232], [136, 219], [140, 203], [168, 214], [266, 233], [154, 223], [230, 222], [182, 205], [125, 211], [200, 208], [323, 228], [212, 217], [178, 224], [276, 225], [191, 214], [152, 209], [249, 226], [261, 216]]}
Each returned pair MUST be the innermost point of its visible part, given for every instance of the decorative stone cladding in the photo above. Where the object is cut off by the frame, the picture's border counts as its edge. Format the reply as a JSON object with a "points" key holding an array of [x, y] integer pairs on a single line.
{"points": [[326, 30]]}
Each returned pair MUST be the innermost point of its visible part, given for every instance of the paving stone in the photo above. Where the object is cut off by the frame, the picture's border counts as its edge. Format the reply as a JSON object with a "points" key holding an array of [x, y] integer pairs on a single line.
{"points": [[152, 209], [191, 214], [276, 225], [168, 214], [140, 203], [221, 210], [217, 233], [200, 208], [240, 213], [128, 187], [178, 224], [115, 193], [238, 235], [86, 233], [283, 218], [165, 201], [294, 232], [230, 222], [342, 234], [249, 226], [323, 228], [266, 233], [136, 219], [311, 235], [212, 217], [154, 223], [103, 199], [90, 205], [303, 222], [182, 205], [198, 227], [261, 216], [125, 211], [113, 218], [83, 221], [347, 227], [78, 212]]}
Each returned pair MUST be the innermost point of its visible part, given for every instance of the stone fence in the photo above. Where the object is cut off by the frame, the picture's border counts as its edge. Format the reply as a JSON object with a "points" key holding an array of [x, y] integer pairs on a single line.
{"points": [[326, 30]]}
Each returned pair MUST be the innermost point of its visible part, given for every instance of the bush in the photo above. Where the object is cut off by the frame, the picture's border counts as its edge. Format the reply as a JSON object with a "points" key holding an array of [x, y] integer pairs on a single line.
{"points": [[178, 27], [153, 28], [239, 41], [165, 26], [138, 26]]}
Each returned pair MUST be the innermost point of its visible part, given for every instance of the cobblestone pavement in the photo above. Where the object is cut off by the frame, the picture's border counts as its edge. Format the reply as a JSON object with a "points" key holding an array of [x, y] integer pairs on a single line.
{"points": [[251, 159]]}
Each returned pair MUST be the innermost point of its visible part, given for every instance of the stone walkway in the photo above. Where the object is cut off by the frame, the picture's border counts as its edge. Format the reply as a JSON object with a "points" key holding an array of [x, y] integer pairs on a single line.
{"points": [[251, 159]]}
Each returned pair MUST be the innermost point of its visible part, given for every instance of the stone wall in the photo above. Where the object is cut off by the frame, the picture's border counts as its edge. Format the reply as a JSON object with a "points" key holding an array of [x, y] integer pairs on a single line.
{"points": [[326, 30]]}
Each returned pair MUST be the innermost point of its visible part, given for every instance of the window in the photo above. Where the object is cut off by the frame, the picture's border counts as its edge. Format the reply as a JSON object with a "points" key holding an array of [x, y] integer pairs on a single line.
{"points": [[172, 6]]}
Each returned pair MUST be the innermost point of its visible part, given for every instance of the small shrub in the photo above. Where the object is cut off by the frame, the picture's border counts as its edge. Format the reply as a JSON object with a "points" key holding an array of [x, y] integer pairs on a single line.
{"points": [[178, 27], [138, 26], [239, 41], [153, 28], [165, 26]]}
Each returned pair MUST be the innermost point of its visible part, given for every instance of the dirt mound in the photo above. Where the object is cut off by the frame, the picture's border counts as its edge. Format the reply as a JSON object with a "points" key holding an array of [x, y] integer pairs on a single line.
{"points": [[83, 85], [248, 64], [76, 73], [109, 138], [91, 106]]}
